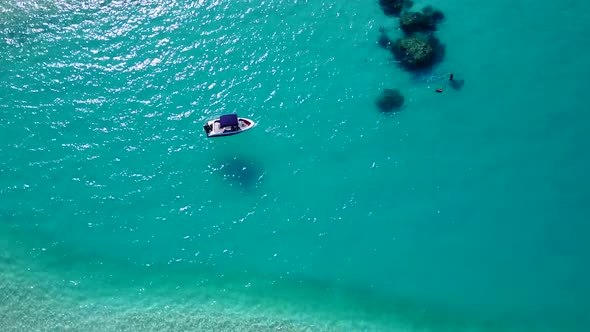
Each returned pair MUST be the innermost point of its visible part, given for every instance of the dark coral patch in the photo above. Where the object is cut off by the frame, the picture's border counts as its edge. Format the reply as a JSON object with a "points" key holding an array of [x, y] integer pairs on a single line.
{"points": [[417, 51], [425, 21], [394, 7], [390, 100]]}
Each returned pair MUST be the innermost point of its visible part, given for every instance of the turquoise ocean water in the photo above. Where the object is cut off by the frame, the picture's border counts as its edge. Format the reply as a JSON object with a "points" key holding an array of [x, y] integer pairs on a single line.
{"points": [[466, 211]]}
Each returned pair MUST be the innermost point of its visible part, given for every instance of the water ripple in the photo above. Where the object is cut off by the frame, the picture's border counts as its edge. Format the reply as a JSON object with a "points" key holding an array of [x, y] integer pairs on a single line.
{"points": [[102, 105]]}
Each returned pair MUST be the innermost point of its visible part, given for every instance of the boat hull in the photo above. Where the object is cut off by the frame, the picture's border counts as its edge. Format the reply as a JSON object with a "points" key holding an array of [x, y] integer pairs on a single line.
{"points": [[213, 128]]}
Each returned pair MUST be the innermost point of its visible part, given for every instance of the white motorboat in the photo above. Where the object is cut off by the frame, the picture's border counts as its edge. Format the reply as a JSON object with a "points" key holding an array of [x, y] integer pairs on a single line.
{"points": [[226, 125]]}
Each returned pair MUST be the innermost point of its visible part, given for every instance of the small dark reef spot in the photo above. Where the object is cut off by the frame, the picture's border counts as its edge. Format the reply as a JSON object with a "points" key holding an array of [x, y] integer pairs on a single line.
{"points": [[435, 14], [457, 84], [390, 100], [394, 7]]}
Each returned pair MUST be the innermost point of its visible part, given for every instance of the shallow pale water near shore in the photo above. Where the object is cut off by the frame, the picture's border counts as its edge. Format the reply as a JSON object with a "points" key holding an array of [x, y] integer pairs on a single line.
{"points": [[465, 211]]}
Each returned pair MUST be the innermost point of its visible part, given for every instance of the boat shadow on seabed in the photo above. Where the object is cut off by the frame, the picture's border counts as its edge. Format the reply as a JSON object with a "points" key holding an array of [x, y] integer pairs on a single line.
{"points": [[241, 172]]}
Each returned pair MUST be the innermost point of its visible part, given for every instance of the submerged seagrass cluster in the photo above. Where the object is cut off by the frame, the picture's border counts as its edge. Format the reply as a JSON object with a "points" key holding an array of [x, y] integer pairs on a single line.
{"points": [[417, 49]]}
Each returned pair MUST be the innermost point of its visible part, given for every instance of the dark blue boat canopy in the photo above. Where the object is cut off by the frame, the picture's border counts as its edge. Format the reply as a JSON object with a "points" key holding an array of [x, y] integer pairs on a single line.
{"points": [[228, 120]]}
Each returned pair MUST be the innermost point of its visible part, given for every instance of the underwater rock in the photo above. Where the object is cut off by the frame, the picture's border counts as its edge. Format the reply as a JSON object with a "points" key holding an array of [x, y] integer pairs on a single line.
{"points": [[411, 22], [390, 100], [436, 15], [394, 7], [417, 50]]}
